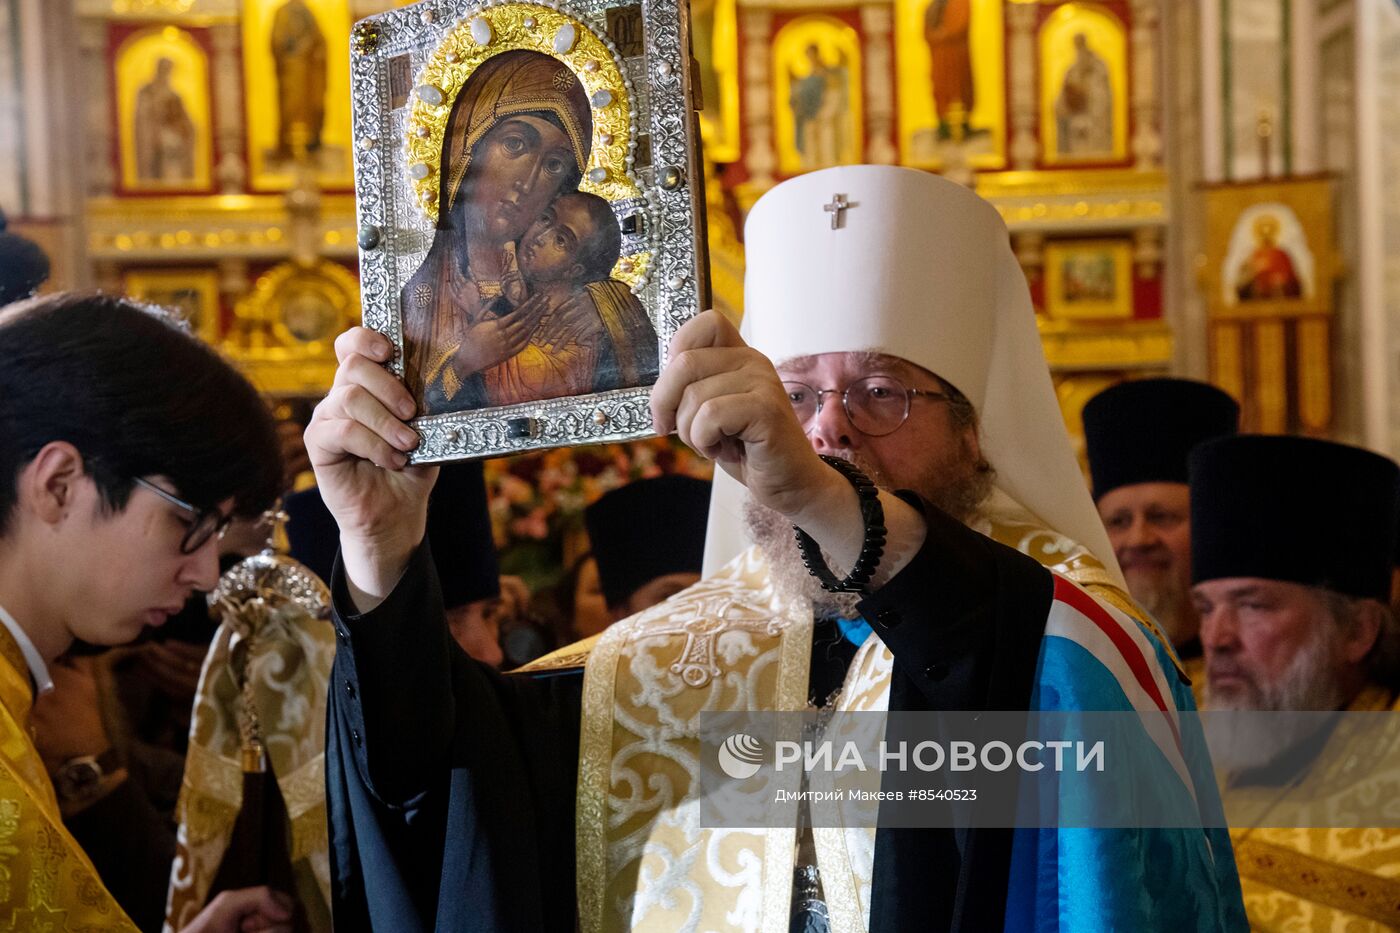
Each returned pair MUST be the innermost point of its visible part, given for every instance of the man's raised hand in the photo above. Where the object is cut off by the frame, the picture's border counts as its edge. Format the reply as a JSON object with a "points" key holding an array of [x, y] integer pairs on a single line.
{"points": [[724, 400], [358, 442]]}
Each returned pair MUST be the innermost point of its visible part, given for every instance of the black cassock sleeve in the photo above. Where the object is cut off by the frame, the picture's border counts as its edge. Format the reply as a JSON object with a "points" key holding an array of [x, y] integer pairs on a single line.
{"points": [[964, 621], [449, 786]]}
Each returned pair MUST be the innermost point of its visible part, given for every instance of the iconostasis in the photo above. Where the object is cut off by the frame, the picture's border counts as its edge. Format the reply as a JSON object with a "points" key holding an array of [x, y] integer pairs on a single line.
{"points": [[1049, 109], [228, 188]]}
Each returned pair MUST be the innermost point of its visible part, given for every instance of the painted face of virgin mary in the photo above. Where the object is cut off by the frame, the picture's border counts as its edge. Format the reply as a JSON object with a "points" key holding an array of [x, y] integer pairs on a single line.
{"points": [[517, 169], [518, 136]]}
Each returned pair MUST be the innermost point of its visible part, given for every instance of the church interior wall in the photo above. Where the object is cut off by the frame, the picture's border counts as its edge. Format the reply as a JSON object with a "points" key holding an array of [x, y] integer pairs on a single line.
{"points": [[1185, 121], [12, 155], [1388, 94], [1339, 157]]}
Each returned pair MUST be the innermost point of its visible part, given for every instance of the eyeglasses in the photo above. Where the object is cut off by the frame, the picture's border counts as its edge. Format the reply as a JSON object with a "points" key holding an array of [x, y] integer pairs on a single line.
{"points": [[875, 405], [205, 524]]}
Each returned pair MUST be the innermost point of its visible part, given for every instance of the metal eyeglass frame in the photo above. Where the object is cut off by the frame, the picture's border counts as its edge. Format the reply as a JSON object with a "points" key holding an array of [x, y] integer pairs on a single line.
{"points": [[189, 544], [845, 395]]}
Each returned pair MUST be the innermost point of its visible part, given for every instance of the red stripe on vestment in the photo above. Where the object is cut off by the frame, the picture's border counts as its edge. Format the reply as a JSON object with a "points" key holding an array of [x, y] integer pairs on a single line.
{"points": [[1081, 602]]}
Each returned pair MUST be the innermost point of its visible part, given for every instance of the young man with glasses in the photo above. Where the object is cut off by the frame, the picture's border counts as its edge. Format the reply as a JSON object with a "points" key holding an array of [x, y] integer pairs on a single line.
{"points": [[907, 358], [126, 447]]}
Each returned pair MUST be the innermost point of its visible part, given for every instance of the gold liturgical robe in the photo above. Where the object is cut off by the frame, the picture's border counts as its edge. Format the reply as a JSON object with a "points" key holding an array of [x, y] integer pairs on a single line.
{"points": [[46, 881], [1326, 880], [728, 643]]}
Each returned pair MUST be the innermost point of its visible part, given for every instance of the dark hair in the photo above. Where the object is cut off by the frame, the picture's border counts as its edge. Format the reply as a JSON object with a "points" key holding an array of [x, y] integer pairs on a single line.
{"points": [[23, 266], [599, 252], [138, 395]]}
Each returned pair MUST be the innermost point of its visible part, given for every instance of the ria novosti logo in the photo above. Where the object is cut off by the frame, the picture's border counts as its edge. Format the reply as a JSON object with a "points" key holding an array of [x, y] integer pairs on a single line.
{"points": [[741, 756]]}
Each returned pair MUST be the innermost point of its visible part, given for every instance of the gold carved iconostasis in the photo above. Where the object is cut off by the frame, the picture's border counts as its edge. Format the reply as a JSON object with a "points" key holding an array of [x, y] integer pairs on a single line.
{"points": [[228, 196], [229, 186], [1049, 109]]}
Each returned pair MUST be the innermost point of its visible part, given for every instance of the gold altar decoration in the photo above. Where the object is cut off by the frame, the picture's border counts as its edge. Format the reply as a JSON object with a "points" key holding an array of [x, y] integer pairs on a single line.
{"points": [[208, 229], [271, 150], [191, 293], [1098, 198], [161, 7], [1089, 279], [975, 137], [283, 333], [834, 134], [515, 26], [714, 37], [1106, 45], [1108, 346], [1268, 272], [163, 122]]}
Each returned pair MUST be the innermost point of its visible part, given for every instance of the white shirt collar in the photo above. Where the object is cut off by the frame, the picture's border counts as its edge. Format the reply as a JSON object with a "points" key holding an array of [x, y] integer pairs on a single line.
{"points": [[38, 670]]}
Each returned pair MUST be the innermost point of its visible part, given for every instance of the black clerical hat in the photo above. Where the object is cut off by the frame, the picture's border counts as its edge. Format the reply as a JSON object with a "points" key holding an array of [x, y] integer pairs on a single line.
{"points": [[1395, 553], [1295, 509], [1141, 431], [646, 530], [459, 533], [23, 265]]}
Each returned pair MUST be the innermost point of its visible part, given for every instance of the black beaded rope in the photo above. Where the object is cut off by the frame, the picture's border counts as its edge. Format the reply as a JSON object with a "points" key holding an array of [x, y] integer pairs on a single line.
{"points": [[873, 548]]}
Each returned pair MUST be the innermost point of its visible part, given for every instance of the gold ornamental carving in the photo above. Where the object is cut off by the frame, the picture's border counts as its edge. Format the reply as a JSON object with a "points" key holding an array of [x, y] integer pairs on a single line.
{"points": [[1136, 345]]}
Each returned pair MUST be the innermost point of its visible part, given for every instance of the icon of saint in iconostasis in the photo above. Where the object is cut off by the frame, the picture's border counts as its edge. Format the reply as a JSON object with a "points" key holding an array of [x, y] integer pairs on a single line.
{"points": [[1269, 258], [164, 131], [299, 55]]}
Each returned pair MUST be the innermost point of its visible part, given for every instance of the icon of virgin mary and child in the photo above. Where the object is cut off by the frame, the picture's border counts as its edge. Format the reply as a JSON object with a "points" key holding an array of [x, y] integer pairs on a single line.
{"points": [[515, 301]]}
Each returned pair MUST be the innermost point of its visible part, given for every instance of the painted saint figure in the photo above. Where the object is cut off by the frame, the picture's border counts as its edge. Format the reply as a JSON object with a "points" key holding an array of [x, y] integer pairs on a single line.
{"points": [[1084, 108], [819, 111], [163, 129], [1268, 272], [592, 332], [947, 24], [490, 307], [299, 51]]}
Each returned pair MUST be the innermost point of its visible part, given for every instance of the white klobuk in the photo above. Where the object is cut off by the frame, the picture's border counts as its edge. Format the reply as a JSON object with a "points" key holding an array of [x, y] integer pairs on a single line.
{"points": [[902, 262]]}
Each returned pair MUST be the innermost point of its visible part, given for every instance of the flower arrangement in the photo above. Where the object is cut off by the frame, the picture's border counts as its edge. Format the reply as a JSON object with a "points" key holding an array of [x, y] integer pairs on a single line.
{"points": [[537, 499]]}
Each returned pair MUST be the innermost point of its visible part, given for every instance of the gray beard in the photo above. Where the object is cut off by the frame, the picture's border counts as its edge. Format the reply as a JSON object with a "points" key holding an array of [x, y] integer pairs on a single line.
{"points": [[961, 498], [1309, 684]]}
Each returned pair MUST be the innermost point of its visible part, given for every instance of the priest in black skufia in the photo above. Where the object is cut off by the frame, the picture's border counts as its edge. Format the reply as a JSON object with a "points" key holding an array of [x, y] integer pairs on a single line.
{"points": [[1138, 435], [1292, 564], [648, 538], [23, 265], [459, 533]]}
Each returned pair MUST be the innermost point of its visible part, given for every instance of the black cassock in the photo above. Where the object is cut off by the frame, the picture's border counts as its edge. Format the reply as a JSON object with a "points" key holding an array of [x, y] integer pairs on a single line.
{"points": [[450, 787]]}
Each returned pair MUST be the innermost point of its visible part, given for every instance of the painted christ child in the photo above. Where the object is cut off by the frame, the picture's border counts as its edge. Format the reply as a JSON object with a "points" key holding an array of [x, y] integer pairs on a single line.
{"points": [[593, 334]]}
